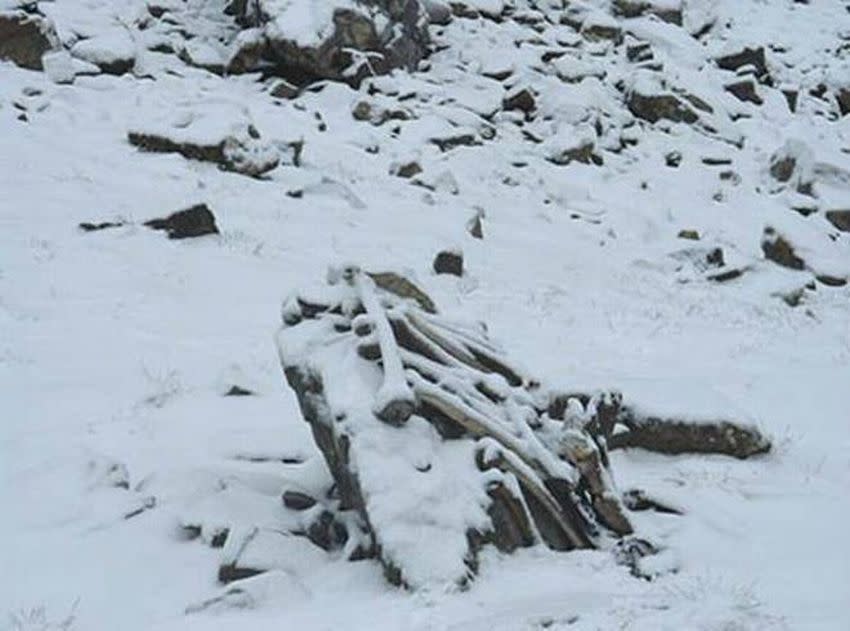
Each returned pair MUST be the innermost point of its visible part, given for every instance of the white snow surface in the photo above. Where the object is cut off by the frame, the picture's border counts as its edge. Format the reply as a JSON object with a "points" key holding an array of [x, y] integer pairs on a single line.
{"points": [[115, 345]]}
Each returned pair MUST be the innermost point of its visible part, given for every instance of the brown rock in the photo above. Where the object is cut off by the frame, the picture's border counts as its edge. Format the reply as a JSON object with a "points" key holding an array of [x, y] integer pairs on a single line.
{"points": [[779, 250], [25, 37]]}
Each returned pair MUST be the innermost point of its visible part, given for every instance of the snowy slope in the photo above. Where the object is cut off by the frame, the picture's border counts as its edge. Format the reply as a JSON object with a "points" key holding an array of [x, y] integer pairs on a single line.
{"points": [[117, 346]]}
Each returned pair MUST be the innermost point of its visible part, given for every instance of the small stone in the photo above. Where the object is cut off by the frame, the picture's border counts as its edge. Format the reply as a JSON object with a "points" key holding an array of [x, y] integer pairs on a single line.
{"points": [[779, 250], [284, 90], [408, 170], [840, 219], [673, 159], [103, 225], [521, 100], [746, 57], [192, 222], [693, 235], [238, 391], [831, 281], [744, 91], [449, 262], [298, 501], [475, 226]]}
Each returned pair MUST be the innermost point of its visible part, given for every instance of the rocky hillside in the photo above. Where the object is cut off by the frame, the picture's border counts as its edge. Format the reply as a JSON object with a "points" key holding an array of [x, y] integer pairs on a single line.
{"points": [[648, 195]]}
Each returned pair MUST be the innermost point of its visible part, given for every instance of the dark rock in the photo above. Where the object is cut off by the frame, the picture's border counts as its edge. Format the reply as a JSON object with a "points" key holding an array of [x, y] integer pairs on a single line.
{"points": [[284, 90], [238, 391], [25, 37], [475, 226], [654, 107], [363, 40], [521, 100], [596, 32], [449, 262], [298, 501], [831, 281], [791, 99], [103, 225], [715, 162], [746, 57], [782, 167], [192, 222], [726, 275], [673, 436], [637, 8], [450, 142], [839, 218], [673, 159], [584, 153], [693, 235], [779, 250], [243, 154], [744, 91], [842, 97], [408, 170]]}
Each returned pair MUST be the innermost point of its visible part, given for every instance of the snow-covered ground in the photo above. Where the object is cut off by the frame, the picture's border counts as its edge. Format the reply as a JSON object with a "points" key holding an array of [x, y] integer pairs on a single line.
{"points": [[117, 346]]}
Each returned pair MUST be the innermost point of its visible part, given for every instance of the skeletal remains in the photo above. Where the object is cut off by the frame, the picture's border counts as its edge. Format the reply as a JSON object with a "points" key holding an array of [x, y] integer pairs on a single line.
{"points": [[439, 445]]}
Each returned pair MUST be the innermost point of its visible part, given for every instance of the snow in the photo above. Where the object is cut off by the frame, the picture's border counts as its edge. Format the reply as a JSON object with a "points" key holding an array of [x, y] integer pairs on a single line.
{"points": [[115, 344], [307, 23]]}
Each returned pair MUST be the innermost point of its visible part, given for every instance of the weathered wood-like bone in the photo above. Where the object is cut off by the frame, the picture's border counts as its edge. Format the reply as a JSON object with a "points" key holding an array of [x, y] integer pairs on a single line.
{"points": [[548, 451]]}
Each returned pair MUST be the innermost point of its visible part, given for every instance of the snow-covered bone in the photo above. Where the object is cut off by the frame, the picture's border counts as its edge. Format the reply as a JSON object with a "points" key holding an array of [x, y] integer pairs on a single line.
{"points": [[439, 443]]}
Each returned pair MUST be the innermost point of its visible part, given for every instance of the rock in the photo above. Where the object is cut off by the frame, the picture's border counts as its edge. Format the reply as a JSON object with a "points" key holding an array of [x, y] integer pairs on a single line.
{"points": [[791, 98], [25, 38], [59, 66], [831, 281], [839, 218], [191, 222], [408, 169], [439, 13], [521, 100], [238, 391], [779, 250], [746, 57], [298, 501], [693, 235], [792, 165], [601, 26], [332, 39], [92, 227], [673, 159], [203, 55], [449, 262], [667, 11], [285, 90], [114, 51], [655, 107], [842, 97], [744, 91], [211, 135], [475, 226]]}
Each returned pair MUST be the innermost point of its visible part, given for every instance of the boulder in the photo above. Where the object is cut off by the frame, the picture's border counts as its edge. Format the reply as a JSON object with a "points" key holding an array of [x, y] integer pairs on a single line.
{"points": [[331, 39], [25, 37]]}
